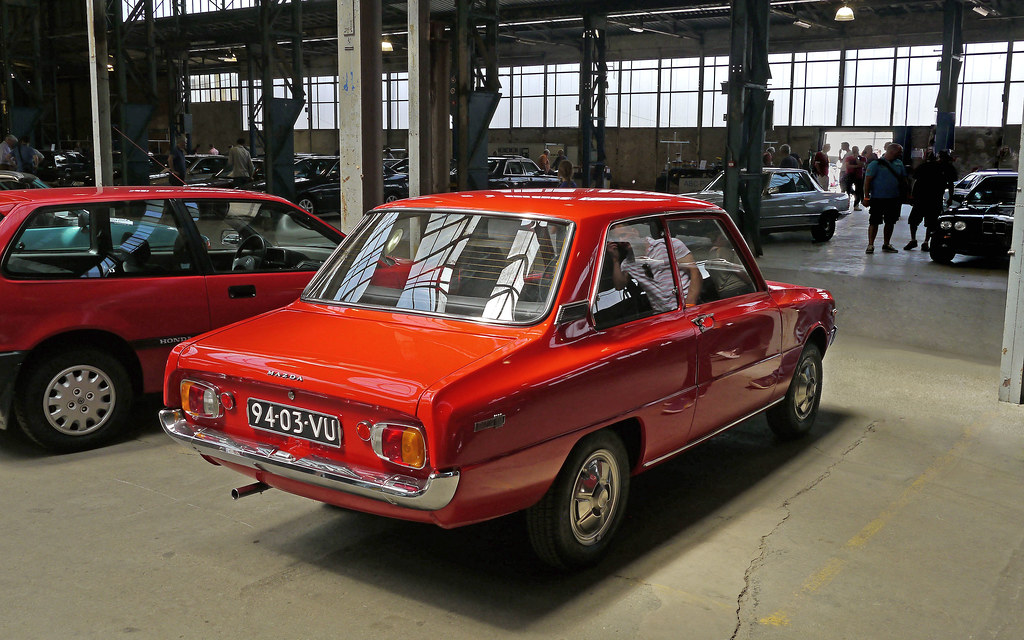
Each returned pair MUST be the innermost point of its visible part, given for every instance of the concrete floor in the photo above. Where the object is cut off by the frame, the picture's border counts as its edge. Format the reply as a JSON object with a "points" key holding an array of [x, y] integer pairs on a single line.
{"points": [[899, 517]]}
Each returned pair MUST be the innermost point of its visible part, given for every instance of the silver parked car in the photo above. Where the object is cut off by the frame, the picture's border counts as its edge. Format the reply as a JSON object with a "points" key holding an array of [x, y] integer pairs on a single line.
{"points": [[791, 200]]}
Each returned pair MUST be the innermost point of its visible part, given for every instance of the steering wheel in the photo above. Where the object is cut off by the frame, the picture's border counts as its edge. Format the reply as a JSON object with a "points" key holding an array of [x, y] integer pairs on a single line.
{"points": [[250, 258]]}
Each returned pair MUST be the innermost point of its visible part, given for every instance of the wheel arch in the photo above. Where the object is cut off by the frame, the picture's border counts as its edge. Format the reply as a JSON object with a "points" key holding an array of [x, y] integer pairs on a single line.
{"points": [[104, 340], [819, 338], [630, 431]]}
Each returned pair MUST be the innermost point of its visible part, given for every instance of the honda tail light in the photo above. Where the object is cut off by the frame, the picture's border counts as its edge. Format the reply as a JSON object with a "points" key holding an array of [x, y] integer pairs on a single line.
{"points": [[200, 400], [399, 443]]}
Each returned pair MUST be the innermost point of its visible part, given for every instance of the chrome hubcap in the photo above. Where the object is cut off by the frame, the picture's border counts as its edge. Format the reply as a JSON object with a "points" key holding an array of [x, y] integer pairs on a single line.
{"points": [[806, 389], [595, 497], [79, 400], [306, 204]]}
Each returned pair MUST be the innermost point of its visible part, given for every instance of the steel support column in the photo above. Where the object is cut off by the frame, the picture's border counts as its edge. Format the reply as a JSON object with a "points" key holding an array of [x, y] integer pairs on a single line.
{"points": [[96, 19], [593, 85], [360, 121], [476, 85], [748, 97], [949, 73]]}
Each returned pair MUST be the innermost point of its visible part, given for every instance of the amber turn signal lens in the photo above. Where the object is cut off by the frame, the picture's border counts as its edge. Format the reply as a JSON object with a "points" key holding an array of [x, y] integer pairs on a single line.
{"points": [[199, 399]]}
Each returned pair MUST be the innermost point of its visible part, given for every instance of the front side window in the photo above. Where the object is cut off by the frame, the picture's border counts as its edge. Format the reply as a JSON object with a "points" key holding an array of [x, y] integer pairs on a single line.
{"points": [[116, 239], [722, 270], [485, 267], [252, 235], [995, 190], [638, 278]]}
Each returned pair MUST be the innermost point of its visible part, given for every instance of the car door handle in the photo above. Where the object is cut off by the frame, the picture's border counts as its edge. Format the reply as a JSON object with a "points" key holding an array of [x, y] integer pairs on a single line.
{"points": [[704, 321], [242, 291]]}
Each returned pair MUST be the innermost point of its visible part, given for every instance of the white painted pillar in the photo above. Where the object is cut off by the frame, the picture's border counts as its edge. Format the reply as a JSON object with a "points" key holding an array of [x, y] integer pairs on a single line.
{"points": [[420, 140], [1011, 369], [99, 88], [360, 109]]}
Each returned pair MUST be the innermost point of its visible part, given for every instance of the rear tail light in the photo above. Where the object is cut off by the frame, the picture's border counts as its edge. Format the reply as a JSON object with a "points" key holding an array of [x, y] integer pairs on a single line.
{"points": [[200, 400], [399, 443]]}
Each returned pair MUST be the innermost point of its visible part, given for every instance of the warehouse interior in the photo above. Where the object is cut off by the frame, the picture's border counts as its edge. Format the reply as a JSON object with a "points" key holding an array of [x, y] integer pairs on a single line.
{"points": [[899, 516]]}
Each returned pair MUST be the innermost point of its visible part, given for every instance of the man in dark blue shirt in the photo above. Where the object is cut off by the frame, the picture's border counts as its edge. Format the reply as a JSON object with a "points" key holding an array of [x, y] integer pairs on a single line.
{"points": [[884, 190]]}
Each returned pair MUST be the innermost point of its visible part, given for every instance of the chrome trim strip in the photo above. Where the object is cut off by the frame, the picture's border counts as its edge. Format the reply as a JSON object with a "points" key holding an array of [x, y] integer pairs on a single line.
{"points": [[711, 435], [428, 494]]}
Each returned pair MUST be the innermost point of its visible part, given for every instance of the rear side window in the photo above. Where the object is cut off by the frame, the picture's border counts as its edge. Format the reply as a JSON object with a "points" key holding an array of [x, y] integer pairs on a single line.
{"points": [[116, 239]]}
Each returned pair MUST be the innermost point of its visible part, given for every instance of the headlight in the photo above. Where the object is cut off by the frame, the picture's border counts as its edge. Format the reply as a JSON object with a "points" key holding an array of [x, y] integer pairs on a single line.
{"points": [[946, 224], [200, 400], [399, 443], [959, 225]]}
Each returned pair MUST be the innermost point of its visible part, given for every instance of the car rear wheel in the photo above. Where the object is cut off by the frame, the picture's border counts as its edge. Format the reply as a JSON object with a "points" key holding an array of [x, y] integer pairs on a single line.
{"points": [[794, 416], [825, 230], [941, 254], [307, 204], [576, 519], [74, 400], [390, 197]]}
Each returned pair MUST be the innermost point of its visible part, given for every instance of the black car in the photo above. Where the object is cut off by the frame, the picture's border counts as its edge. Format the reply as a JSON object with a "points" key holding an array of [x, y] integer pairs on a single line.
{"points": [[65, 168], [964, 185], [311, 172], [982, 225], [324, 198], [514, 172]]}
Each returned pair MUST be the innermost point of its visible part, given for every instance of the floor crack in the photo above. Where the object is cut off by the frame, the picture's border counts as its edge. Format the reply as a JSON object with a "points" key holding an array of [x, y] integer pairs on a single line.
{"points": [[749, 590]]}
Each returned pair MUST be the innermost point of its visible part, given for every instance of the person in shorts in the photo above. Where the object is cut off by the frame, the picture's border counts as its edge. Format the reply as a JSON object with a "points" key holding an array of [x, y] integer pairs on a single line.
{"points": [[884, 190]]}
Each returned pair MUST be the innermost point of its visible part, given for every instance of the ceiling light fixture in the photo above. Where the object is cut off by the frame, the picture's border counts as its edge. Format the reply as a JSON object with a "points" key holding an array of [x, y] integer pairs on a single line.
{"points": [[845, 14], [801, 24], [982, 10], [386, 46], [636, 29]]}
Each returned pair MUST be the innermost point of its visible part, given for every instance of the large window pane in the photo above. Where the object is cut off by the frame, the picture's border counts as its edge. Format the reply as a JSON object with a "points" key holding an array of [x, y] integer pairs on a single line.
{"points": [[981, 105]]}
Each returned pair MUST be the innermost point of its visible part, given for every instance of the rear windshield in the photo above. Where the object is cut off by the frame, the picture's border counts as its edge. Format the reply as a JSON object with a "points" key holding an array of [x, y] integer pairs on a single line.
{"points": [[485, 267]]}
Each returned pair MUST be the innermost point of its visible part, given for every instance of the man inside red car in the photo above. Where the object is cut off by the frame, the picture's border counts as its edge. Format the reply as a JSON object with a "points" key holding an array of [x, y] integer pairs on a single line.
{"points": [[635, 254]]}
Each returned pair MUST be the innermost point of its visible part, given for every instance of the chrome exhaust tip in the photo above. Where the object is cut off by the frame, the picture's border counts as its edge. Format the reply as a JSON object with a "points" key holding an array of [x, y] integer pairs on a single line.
{"points": [[249, 489]]}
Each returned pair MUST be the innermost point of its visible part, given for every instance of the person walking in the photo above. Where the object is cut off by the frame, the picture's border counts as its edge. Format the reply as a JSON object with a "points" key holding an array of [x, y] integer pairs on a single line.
{"points": [[932, 180], [820, 166], [176, 161], [769, 157], [565, 180], [789, 161], [853, 176], [25, 157], [240, 168], [884, 190], [544, 162], [7, 160]]}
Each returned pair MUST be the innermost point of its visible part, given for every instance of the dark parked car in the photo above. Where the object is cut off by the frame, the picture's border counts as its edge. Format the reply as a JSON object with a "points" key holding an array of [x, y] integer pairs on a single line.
{"points": [[513, 172], [791, 201], [201, 168], [99, 284], [65, 168], [20, 180], [982, 225], [964, 185]]}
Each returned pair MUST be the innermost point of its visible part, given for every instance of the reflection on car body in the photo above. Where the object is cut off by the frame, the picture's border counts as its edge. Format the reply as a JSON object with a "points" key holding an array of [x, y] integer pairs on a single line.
{"points": [[489, 352]]}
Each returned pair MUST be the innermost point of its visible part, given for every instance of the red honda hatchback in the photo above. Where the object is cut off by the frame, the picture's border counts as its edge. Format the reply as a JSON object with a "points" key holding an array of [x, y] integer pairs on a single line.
{"points": [[99, 284]]}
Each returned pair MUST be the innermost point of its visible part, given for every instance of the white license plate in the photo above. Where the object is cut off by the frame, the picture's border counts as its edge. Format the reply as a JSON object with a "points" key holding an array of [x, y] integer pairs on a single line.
{"points": [[294, 421]]}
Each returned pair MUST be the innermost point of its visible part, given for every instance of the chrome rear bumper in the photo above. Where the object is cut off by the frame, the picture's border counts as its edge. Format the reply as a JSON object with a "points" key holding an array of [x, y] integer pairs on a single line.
{"points": [[427, 494]]}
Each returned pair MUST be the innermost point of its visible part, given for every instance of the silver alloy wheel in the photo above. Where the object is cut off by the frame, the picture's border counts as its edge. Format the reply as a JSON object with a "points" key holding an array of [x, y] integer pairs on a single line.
{"points": [[806, 388], [595, 497], [79, 400], [306, 204]]}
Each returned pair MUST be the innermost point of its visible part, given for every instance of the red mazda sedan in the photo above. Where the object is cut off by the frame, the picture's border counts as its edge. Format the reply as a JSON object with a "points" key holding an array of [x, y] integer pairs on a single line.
{"points": [[469, 355], [97, 286]]}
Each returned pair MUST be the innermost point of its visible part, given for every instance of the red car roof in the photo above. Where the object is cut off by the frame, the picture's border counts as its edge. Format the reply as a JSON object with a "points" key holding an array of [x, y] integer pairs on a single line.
{"points": [[100, 194], [569, 204]]}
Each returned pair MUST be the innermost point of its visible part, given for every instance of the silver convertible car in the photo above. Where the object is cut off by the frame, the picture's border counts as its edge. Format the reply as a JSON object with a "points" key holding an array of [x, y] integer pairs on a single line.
{"points": [[791, 200]]}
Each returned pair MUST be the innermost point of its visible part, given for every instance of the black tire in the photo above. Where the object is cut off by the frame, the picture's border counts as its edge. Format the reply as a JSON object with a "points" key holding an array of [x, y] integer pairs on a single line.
{"points": [[794, 416], [74, 400], [826, 228], [560, 535], [940, 254]]}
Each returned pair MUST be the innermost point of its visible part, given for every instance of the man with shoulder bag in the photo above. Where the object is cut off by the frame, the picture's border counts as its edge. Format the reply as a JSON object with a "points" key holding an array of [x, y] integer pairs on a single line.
{"points": [[885, 189]]}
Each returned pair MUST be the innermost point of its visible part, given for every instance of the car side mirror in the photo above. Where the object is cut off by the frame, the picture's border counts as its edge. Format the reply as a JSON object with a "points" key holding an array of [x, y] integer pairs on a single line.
{"points": [[573, 320]]}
